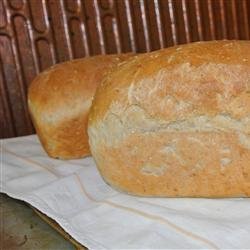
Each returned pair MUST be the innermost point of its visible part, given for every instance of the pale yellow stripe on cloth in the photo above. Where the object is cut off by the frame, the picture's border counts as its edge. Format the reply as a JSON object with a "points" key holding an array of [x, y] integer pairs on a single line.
{"points": [[148, 216]]}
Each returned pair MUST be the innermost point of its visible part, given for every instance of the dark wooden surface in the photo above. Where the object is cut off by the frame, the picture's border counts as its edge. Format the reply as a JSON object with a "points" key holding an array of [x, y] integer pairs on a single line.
{"points": [[35, 34], [22, 229]]}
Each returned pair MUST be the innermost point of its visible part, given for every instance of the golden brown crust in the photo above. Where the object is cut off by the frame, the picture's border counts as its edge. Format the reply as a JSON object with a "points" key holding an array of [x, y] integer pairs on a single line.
{"points": [[176, 122], [59, 100]]}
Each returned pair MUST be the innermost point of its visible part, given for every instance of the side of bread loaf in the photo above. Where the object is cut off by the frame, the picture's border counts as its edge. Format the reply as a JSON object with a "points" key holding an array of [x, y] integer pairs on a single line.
{"points": [[59, 100], [176, 122]]}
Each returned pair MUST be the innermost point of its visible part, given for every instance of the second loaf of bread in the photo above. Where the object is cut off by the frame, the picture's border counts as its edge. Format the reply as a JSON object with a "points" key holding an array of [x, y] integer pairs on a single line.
{"points": [[176, 122], [59, 101]]}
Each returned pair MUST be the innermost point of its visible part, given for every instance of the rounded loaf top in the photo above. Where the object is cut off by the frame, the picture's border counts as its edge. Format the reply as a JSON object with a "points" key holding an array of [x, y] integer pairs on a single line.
{"points": [[67, 87], [156, 73]]}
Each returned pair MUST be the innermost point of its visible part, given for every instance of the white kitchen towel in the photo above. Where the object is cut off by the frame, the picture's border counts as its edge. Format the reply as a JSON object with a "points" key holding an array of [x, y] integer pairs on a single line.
{"points": [[74, 194]]}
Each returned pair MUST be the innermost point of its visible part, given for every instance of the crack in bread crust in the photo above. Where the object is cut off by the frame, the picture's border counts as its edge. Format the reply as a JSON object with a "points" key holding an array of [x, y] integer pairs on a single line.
{"points": [[135, 120]]}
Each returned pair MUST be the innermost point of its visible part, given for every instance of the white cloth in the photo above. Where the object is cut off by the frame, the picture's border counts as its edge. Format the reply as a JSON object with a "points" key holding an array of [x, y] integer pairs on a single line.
{"points": [[74, 194]]}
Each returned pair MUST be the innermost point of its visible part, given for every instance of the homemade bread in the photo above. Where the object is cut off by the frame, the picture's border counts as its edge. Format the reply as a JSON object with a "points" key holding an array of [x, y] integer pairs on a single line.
{"points": [[176, 122], [59, 100]]}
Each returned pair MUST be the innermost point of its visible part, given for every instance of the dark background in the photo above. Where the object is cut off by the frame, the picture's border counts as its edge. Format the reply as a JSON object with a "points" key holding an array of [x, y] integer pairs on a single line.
{"points": [[34, 34]]}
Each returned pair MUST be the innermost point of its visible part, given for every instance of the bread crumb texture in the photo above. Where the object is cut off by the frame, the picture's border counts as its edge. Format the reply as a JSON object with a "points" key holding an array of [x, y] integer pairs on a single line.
{"points": [[176, 122]]}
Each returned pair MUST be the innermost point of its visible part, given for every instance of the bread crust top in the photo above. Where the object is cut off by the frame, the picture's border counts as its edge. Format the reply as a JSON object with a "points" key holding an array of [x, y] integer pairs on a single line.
{"points": [[54, 94], [185, 73]]}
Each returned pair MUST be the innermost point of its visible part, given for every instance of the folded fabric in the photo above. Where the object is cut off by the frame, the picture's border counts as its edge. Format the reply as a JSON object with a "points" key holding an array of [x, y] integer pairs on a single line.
{"points": [[74, 194]]}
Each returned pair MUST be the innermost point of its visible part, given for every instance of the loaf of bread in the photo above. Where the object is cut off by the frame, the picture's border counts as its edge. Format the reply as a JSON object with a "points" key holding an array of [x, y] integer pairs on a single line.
{"points": [[176, 122], [59, 100]]}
